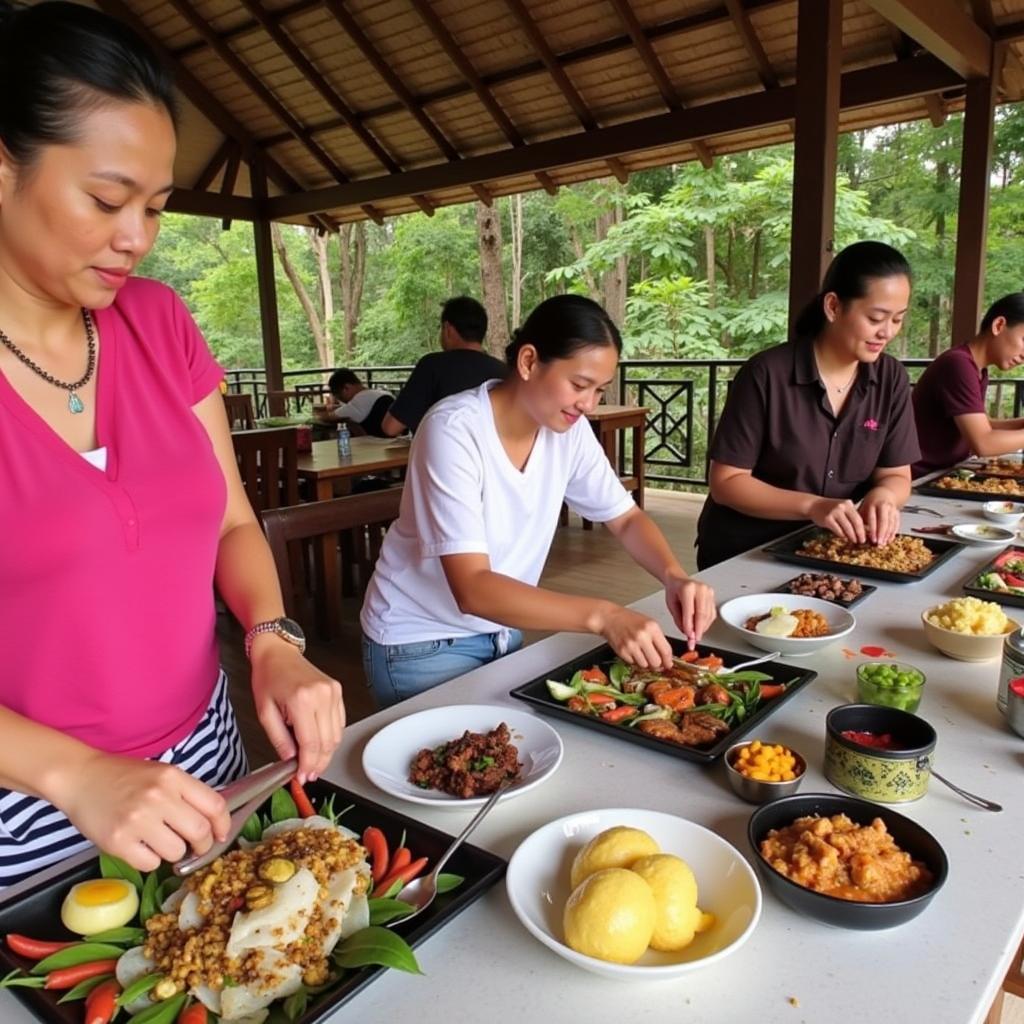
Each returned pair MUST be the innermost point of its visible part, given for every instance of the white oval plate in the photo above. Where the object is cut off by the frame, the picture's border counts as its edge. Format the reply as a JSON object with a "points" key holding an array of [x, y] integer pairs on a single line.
{"points": [[983, 533], [388, 756], [537, 881], [736, 612]]}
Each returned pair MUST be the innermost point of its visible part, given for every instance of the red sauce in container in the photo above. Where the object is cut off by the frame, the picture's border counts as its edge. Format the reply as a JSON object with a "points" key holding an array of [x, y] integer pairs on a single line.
{"points": [[877, 740], [1017, 685]]}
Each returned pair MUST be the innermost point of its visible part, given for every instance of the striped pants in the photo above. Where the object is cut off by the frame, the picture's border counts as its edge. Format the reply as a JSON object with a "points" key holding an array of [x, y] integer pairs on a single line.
{"points": [[34, 834]]}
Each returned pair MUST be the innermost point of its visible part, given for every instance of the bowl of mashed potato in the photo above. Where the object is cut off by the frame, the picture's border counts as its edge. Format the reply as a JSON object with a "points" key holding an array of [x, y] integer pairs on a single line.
{"points": [[788, 623], [968, 628]]}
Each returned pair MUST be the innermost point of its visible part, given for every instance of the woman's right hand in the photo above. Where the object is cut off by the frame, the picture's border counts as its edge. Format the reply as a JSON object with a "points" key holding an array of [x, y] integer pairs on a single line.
{"points": [[635, 638], [839, 515], [144, 811]]}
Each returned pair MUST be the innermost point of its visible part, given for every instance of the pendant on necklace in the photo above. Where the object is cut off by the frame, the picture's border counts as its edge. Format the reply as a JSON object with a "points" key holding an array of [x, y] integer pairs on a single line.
{"points": [[75, 404]]}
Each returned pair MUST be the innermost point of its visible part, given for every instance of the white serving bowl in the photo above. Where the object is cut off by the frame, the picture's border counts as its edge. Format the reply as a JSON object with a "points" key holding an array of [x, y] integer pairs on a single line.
{"points": [[999, 512], [965, 646], [740, 609], [538, 887]]}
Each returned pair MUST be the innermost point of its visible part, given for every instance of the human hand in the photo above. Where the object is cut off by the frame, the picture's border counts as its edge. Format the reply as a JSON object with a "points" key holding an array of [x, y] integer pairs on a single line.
{"points": [[293, 696], [691, 605], [635, 638], [143, 811], [881, 516], [840, 515]]}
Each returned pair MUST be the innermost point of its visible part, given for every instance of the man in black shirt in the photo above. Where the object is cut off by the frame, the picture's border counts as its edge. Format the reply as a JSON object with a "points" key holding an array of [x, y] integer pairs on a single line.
{"points": [[462, 364]]}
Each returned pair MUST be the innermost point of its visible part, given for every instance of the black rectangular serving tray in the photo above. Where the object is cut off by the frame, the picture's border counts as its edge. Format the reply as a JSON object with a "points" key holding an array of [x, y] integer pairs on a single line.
{"points": [[786, 549], [999, 596], [536, 693], [931, 490], [866, 590], [37, 911]]}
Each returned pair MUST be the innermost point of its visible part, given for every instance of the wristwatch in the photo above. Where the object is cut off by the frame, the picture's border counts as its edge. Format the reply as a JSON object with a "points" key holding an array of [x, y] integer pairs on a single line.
{"points": [[287, 629]]}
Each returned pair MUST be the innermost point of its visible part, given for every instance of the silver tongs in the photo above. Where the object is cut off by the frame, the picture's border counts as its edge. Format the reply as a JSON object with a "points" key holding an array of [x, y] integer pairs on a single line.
{"points": [[243, 797]]}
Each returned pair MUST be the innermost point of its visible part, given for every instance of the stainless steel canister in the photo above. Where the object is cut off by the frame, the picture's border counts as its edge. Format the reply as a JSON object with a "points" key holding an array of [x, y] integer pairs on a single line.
{"points": [[1012, 666]]}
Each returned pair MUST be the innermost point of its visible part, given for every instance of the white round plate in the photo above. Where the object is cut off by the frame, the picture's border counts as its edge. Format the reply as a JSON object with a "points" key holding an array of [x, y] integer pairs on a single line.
{"points": [[737, 611], [537, 881], [982, 533], [388, 756]]}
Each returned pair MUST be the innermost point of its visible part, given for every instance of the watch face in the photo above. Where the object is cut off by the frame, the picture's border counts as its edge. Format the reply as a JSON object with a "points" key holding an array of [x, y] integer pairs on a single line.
{"points": [[292, 629]]}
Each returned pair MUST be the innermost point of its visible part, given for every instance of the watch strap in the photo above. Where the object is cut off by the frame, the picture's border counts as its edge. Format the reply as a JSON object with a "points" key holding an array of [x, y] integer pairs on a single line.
{"points": [[272, 626]]}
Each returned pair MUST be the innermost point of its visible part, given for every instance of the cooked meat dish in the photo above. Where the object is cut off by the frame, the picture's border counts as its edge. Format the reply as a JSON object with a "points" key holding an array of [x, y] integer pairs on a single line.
{"points": [[694, 730], [475, 764], [826, 587]]}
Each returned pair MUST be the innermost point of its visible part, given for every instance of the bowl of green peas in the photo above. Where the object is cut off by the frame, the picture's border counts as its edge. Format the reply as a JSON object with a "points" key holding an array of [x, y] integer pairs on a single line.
{"points": [[892, 684]]}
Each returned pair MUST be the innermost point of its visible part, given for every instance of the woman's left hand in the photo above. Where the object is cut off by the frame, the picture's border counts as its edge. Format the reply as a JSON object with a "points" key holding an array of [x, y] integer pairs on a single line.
{"points": [[691, 605], [881, 516], [293, 696]]}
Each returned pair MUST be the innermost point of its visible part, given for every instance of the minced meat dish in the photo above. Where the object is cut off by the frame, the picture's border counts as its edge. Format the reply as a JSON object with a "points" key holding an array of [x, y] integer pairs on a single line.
{"points": [[473, 765]]}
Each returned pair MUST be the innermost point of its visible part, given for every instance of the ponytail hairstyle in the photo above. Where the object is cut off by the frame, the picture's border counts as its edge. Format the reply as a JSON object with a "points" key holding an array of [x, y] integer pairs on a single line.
{"points": [[848, 276], [59, 61], [1011, 307], [561, 326]]}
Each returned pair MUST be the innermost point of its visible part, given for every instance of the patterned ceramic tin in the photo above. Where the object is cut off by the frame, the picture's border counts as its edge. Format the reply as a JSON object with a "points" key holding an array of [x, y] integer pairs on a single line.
{"points": [[885, 776], [1012, 666]]}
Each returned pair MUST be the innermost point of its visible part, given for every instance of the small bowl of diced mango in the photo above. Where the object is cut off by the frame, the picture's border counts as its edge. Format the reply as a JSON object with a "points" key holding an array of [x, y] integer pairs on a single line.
{"points": [[760, 772]]}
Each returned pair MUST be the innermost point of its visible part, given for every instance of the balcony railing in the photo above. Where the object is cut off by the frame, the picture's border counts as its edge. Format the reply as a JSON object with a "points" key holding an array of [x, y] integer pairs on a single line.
{"points": [[684, 398]]}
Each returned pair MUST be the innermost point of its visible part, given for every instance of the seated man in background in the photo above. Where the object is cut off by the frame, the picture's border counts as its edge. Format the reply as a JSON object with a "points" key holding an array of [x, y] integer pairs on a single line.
{"points": [[361, 405], [461, 364]]}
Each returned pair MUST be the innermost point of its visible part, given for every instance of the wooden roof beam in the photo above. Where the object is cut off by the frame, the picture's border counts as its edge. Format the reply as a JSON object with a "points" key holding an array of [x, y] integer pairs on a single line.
{"points": [[212, 169], [753, 46], [657, 71], [227, 185], [561, 78], [210, 107], [903, 47], [944, 29], [869, 86]]}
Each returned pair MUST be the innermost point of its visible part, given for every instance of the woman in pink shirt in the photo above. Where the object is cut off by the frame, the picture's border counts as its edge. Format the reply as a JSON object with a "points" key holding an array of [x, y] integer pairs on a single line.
{"points": [[120, 500]]}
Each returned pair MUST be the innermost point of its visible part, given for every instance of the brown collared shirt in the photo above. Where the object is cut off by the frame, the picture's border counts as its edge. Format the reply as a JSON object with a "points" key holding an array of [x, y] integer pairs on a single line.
{"points": [[778, 423]]}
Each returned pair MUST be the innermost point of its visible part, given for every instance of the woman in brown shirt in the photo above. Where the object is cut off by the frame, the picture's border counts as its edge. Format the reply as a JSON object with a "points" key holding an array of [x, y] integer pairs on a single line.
{"points": [[820, 428]]}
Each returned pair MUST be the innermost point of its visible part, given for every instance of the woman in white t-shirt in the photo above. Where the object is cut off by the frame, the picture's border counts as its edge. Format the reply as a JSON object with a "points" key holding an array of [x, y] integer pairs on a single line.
{"points": [[489, 469]]}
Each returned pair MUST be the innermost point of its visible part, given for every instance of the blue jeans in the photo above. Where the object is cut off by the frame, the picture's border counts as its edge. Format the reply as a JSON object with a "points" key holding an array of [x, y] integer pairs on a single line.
{"points": [[396, 672]]}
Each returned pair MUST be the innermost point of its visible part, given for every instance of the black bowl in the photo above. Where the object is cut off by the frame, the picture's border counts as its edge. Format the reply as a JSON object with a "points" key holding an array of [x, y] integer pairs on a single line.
{"points": [[909, 836]]}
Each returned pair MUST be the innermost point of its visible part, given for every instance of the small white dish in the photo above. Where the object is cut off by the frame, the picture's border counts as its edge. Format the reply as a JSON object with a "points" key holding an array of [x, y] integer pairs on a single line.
{"points": [[389, 755], [739, 610], [982, 533], [1005, 513], [537, 882]]}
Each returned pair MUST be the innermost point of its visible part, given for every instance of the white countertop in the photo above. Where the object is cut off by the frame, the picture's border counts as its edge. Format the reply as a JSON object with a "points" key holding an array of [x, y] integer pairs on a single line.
{"points": [[944, 967]]}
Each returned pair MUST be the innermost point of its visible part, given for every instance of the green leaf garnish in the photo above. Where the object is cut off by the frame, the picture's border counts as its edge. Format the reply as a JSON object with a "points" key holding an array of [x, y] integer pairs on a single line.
{"points": [[445, 882], [378, 947], [384, 910], [138, 988], [149, 904], [114, 867], [165, 1012]]}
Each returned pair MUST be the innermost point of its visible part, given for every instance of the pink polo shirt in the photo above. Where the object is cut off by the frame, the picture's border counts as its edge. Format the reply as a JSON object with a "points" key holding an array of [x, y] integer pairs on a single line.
{"points": [[106, 577]]}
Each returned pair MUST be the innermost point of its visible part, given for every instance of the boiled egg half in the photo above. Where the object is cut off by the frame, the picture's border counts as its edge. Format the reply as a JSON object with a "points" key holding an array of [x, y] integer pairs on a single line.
{"points": [[98, 905]]}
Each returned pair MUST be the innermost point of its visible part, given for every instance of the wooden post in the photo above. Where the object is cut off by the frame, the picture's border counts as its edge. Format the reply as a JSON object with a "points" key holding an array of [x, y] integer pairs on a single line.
{"points": [[972, 217], [818, 65], [264, 245]]}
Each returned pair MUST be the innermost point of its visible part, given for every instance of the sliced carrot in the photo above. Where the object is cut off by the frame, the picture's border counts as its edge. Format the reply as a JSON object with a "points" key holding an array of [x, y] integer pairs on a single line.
{"points": [[577, 704], [677, 697], [401, 859], [594, 675], [404, 875], [600, 698], [689, 656], [711, 661], [772, 690], [619, 714]]}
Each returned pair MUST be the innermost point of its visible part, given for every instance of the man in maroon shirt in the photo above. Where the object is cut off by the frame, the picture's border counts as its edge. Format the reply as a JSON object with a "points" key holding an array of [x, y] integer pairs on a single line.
{"points": [[949, 399]]}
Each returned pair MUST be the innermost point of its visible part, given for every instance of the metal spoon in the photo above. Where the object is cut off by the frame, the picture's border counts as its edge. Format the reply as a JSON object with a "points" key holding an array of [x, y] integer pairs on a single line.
{"points": [[748, 664], [420, 892], [988, 805]]}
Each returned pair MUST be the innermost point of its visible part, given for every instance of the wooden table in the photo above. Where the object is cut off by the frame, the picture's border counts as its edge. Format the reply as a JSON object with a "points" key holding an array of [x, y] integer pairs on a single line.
{"points": [[329, 476], [610, 422]]}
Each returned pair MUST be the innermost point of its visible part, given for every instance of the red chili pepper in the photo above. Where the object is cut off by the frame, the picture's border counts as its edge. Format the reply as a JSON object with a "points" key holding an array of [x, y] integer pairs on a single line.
{"points": [[69, 977], [401, 859], [377, 847], [302, 802], [236, 904], [1012, 580], [35, 949], [101, 1002], [618, 714], [770, 690], [404, 875], [194, 1014]]}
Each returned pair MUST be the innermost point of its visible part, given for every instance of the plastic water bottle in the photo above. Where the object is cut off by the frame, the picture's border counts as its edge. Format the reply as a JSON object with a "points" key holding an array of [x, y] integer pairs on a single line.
{"points": [[344, 442]]}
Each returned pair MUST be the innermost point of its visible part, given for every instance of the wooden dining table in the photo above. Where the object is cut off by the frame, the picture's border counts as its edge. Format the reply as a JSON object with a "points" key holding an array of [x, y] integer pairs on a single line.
{"points": [[329, 475]]}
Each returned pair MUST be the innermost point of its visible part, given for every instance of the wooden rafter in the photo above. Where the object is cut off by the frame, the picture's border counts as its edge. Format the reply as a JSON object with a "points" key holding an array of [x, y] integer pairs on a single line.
{"points": [[569, 58], [216, 162], [655, 69], [741, 19], [561, 79], [982, 11], [943, 28], [458, 57], [872, 86], [309, 71], [245, 73], [398, 87], [227, 185], [902, 48], [211, 108]]}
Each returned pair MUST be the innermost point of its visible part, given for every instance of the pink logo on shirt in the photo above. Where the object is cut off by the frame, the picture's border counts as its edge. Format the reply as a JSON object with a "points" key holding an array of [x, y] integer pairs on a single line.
{"points": [[870, 424]]}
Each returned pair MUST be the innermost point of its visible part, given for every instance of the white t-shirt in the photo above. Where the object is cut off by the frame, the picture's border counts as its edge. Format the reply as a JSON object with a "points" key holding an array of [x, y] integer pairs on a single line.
{"points": [[463, 495], [359, 408]]}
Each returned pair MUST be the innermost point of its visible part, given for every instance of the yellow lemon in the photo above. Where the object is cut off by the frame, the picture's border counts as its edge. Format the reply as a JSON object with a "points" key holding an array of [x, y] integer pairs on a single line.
{"points": [[678, 918], [614, 848], [610, 915]]}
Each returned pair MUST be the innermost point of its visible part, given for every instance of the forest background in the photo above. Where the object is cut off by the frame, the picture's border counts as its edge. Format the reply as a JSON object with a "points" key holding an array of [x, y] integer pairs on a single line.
{"points": [[693, 263]]}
